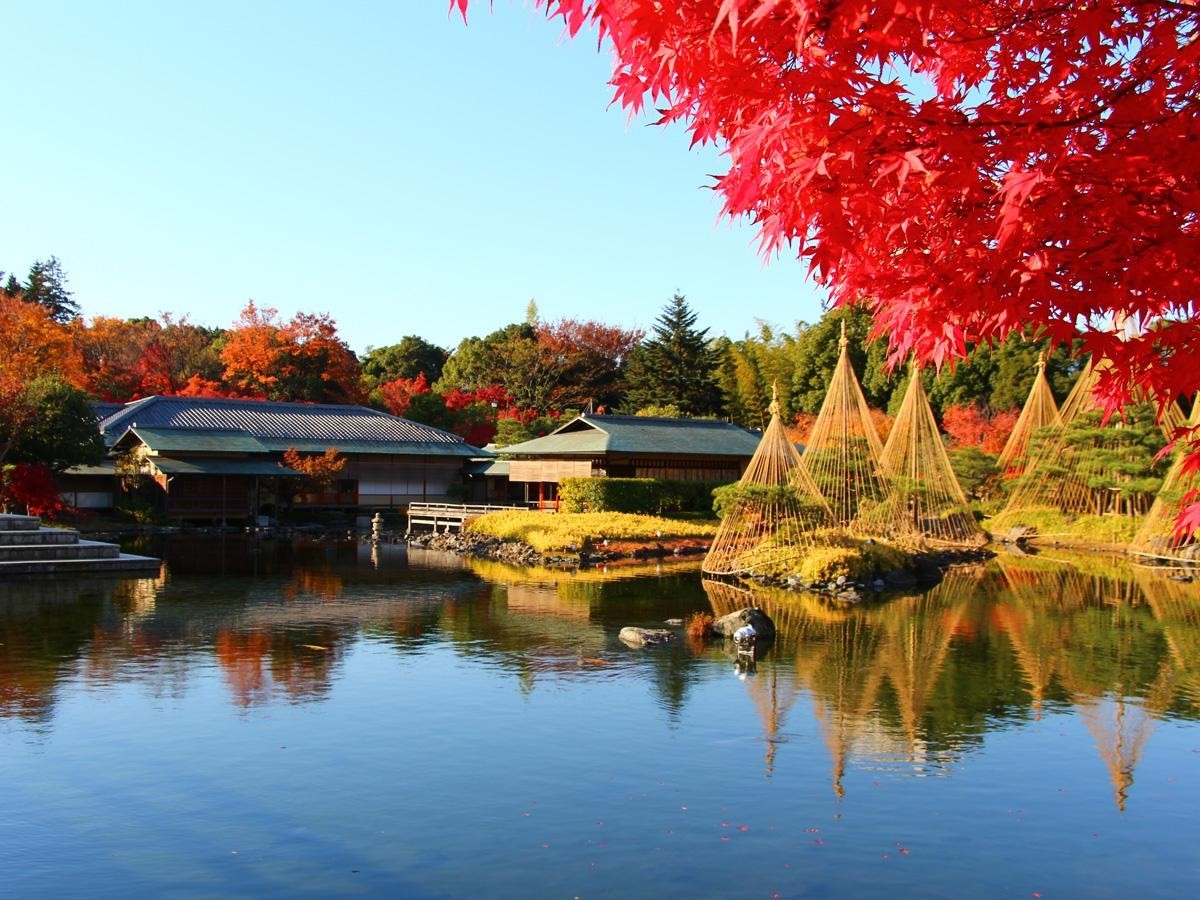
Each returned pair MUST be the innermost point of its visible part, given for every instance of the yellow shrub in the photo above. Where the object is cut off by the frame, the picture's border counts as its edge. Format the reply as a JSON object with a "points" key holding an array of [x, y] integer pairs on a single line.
{"points": [[823, 564], [861, 562], [547, 532]]}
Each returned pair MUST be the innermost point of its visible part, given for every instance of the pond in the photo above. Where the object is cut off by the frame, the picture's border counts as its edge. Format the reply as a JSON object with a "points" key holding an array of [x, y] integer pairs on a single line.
{"points": [[328, 718]]}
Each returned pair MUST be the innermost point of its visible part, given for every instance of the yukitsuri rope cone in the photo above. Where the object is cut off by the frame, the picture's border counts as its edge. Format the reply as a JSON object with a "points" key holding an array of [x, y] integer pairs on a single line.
{"points": [[926, 499], [776, 511], [1039, 411], [1069, 473], [844, 449], [1157, 537]]}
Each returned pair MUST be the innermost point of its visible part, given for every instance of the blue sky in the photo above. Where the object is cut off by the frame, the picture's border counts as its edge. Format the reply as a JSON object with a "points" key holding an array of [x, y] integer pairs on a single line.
{"points": [[379, 162]]}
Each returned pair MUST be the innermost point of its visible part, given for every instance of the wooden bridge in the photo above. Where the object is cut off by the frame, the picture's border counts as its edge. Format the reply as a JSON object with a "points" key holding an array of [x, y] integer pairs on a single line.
{"points": [[447, 516]]}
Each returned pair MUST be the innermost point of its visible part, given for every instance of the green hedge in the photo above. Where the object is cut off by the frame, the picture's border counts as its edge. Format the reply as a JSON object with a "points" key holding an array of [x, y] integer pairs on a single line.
{"points": [[649, 496]]}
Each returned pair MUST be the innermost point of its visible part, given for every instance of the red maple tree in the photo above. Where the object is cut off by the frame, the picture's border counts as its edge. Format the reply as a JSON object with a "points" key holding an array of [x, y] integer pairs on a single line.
{"points": [[965, 168]]}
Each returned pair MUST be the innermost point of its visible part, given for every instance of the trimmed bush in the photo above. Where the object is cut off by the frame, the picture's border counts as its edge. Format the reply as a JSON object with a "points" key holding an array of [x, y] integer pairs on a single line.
{"points": [[645, 496]]}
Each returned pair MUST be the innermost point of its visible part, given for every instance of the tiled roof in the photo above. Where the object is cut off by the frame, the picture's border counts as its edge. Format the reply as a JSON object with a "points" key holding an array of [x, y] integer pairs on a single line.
{"points": [[281, 425], [208, 466], [590, 435], [196, 440], [104, 409]]}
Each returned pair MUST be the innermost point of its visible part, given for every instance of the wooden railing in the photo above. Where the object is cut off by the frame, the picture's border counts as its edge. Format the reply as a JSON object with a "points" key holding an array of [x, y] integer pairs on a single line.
{"points": [[449, 515]]}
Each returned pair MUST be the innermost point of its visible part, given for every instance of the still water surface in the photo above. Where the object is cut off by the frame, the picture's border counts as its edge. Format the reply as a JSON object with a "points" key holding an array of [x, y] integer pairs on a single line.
{"points": [[284, 719]]}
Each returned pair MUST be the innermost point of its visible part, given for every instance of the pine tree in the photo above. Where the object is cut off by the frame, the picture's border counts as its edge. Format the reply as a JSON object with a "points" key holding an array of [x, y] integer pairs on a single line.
{"points": [[675, 366], [47, 285]]}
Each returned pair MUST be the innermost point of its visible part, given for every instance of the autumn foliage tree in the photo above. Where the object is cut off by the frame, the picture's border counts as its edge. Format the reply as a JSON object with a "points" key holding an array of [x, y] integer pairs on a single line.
{"points": [[965, 168], [302, 359], [545, 365], [319, 470], [33, 344], [972, 426]]}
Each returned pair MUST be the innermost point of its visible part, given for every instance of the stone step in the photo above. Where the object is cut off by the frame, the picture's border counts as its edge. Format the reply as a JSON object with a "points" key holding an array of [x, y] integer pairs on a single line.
{"points": [[19, 523], [79, 550], [122, 562], [41, 536]]}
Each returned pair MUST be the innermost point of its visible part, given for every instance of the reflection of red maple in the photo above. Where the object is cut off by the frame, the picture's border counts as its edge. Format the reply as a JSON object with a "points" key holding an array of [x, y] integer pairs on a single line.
{"points": [[313, 582], [963, 168], [241, 657]]}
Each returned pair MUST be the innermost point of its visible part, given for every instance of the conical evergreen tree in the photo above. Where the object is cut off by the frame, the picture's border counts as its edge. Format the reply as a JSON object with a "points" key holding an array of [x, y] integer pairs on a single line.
{"points": [[675, 366]]}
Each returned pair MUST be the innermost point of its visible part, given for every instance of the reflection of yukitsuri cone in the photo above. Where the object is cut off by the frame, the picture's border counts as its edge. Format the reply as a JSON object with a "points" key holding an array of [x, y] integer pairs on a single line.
{"points": [[844, 688], [1036, 638], [1157, 537], [1118, 720], [778, 508], [918, 633], [1039, 411], [926, 499], [844, 449], [727, 598], [1063, 587], [1176, 606], [774, 702], [1121, 730]]}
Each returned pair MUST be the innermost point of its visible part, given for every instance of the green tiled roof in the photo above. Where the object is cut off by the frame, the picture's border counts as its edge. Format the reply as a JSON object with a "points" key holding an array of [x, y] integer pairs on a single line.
{"points": [[277, 426], [197, 440], [212, 466], [644, 435]]}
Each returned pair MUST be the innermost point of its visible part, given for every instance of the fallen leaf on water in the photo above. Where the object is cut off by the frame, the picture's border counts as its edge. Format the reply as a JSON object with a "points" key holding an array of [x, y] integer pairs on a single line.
{"points": [[314, 647]]}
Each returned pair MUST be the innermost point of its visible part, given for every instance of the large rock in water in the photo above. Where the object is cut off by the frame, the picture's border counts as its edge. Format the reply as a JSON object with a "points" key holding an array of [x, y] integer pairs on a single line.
{"points": [[751, 615], [642, 637]]}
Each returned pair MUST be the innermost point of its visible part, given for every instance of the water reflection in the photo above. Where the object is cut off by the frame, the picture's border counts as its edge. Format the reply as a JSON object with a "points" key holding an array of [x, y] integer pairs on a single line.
{"points": [[918, 681], [909, 684]]}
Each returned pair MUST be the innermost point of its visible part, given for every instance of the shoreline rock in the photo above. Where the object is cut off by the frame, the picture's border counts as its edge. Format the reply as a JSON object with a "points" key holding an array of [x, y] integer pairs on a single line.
{"points": [[480, 545], [633, 636], [521, 554]]}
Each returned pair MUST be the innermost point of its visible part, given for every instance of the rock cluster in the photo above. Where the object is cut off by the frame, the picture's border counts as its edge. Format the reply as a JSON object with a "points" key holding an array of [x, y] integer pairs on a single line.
{"points": [[928, 569], [751, 615], [484, 545]]}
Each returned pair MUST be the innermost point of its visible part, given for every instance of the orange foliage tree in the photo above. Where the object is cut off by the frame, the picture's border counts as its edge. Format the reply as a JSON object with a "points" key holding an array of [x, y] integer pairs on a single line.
{"points": [[126, 359], [588, 357], [301, 359], [32, 344], [321, 470]]}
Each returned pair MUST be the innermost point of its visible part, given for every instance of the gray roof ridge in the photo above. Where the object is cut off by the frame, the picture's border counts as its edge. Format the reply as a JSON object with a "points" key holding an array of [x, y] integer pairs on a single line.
{"points": [[667, 420]]}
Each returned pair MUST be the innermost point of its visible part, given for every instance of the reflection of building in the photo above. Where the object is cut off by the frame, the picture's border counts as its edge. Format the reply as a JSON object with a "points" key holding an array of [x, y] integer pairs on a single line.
{"points": [[217, 458]]}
